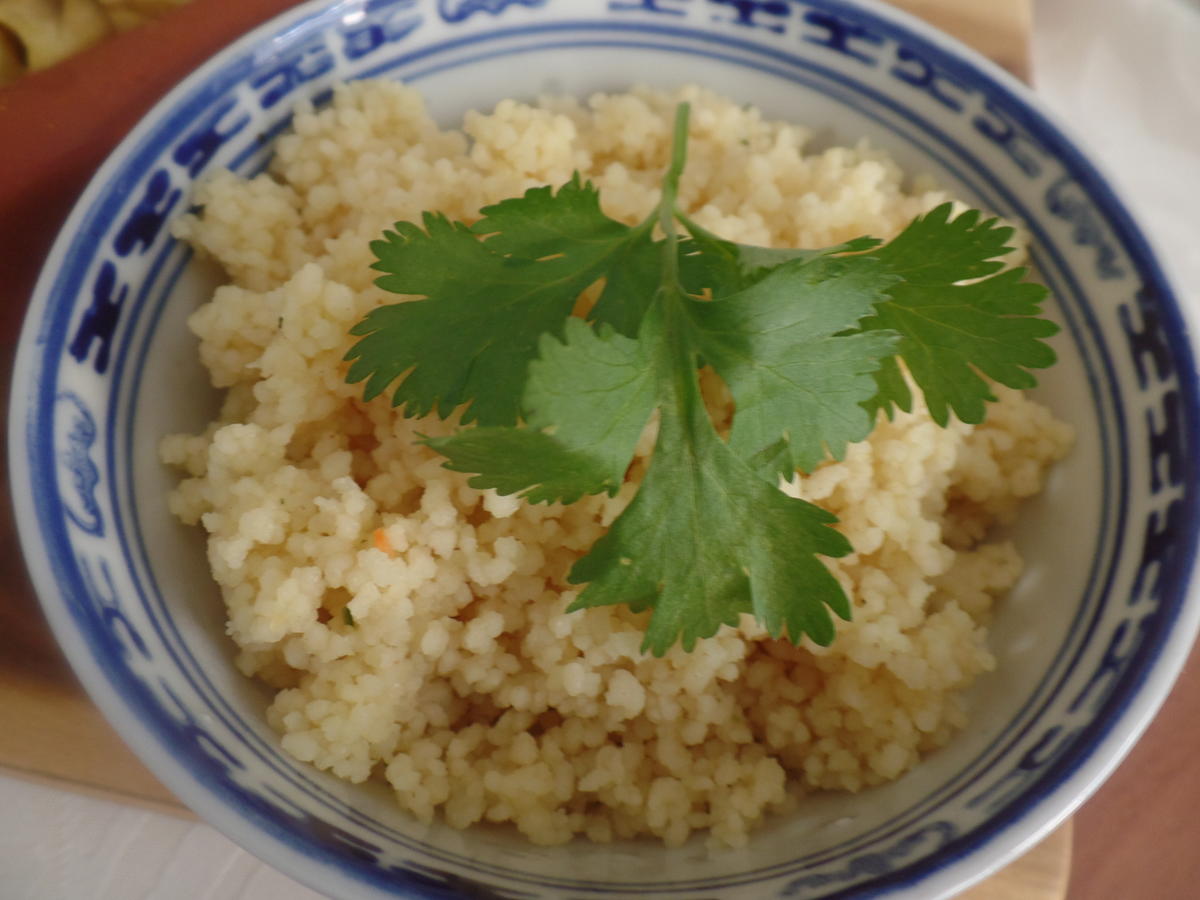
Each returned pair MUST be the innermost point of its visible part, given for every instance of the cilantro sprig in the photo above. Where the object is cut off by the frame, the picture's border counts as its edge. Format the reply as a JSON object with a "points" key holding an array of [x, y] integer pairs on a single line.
{"points": [[809, 342]]}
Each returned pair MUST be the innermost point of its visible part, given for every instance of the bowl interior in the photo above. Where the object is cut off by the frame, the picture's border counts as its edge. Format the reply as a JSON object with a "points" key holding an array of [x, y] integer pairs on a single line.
{"points": [[1086, 644]]}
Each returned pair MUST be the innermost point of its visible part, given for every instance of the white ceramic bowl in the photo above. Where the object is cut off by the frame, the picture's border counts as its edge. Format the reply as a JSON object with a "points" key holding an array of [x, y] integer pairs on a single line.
{"points": [[1088, 644]]}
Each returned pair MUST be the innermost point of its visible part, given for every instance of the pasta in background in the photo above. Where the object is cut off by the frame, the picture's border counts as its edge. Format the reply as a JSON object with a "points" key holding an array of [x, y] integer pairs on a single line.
{"points": [[36, 34], [126, 14], [11, 65]]}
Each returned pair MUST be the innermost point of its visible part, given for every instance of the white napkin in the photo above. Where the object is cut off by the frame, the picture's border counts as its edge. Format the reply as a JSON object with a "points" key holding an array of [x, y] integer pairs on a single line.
{"points": [[1124, 77]]}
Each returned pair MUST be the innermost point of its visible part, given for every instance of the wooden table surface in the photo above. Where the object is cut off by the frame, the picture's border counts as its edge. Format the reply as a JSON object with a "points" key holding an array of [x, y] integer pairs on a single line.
{"points": [[1135, 839]]}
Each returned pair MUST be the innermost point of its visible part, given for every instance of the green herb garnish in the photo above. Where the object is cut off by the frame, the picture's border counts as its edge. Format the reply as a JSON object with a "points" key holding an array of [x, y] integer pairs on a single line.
{"points": [[808, 342]]}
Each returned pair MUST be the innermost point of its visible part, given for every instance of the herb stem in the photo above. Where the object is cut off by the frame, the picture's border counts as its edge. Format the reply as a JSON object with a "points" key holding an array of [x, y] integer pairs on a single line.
{"points": [[666, 205], [677, 358]]}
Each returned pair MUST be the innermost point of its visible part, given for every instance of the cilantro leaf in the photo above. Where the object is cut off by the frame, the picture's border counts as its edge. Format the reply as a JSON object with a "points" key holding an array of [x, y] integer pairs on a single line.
{"points": [[486, 303], [891, 390], [706, 538], [543, 224], [629, 287], [779, 346], [948, 335], [595, 391], [536, 465], [809, 342], [952, 332], [725, 267], [938, 247], [948, 338]]}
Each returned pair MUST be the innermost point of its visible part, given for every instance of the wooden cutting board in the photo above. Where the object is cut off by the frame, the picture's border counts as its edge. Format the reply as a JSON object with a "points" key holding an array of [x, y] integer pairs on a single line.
{"points": [[69, 119]]}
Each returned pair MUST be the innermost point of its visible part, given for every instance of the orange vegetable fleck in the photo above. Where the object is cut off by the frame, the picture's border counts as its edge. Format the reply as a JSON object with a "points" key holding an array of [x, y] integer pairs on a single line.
{"points": [[382, 542]]}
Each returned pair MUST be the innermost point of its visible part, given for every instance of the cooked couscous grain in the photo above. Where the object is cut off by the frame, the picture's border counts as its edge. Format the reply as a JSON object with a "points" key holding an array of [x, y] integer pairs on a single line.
{"points": [[415, 629]]}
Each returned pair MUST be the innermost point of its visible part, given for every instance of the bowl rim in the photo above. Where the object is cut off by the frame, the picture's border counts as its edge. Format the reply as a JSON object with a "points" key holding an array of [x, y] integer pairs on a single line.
{"points": [[998, 844]]}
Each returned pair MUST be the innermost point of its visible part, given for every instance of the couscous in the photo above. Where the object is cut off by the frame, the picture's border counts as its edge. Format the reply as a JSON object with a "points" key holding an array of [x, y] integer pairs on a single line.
{"points": [[415, 629]]}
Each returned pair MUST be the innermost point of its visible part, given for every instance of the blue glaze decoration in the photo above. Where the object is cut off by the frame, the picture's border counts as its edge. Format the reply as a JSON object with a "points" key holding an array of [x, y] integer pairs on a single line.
{"points": [[454, 11], [303, 65], [1050, 746], [441, 883], [1168, 453], [843, 36], [108, 607], [662, 7], [383, 22], [1159, 545], [1146, 339], [193, 739], [100, 319], [148, 217], [1066, 199], [998, 125], [1112, 663], [921, 73], [78, 437], [755, 13], [197, 150], [930, 838]]}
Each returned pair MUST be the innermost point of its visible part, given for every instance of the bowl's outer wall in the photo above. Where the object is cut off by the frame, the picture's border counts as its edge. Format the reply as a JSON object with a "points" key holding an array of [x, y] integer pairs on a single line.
{"points": [[104, 360]]}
